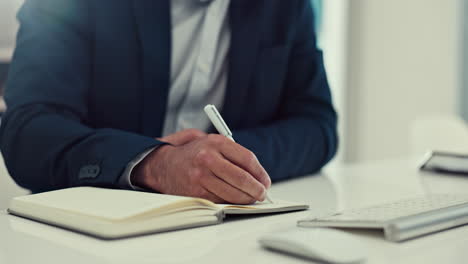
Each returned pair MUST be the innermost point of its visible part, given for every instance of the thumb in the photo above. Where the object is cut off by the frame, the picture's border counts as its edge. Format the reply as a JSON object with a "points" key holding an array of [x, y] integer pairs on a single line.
{"points": [[183, 137]]}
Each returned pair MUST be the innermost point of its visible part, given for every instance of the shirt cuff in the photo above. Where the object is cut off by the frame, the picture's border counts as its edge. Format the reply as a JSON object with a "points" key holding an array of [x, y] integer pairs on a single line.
{"points": [[124, 180]]}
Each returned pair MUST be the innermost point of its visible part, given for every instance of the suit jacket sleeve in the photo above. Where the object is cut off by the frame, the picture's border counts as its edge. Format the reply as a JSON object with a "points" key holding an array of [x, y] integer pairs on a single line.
{"points": [[44, 137], [303, 138]]}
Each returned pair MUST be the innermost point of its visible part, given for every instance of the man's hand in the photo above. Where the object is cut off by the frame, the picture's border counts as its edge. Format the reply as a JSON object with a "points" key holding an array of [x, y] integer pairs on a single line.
{"points": [[206, 166], [183, 137]]}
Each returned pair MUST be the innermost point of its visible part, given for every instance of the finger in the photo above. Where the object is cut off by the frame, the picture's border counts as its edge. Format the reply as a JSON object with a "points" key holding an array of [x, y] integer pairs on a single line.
{"points": [[246, 160], [208, 195], [231, 174], [225, 191], [183, 137]]}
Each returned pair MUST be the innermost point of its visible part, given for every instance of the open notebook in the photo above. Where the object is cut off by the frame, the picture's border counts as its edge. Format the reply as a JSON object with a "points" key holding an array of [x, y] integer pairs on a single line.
{"points": [[110, 214]]}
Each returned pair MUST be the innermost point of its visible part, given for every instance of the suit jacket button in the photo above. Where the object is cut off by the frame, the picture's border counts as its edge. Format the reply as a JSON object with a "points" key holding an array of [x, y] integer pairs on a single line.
{"points": [[89, 172]]}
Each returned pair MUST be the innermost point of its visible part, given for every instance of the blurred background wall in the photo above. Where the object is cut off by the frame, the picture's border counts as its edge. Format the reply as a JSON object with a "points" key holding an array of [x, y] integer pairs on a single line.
{"points": [[392, 64], [8, 28], [8, 25], [402, 62]]}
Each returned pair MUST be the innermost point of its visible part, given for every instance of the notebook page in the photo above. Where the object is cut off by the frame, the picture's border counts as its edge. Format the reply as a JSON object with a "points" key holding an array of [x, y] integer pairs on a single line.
{"points": [[263, 207], [99, 202]]}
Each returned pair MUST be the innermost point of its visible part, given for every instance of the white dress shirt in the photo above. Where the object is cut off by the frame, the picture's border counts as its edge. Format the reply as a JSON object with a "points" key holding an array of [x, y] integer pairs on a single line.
{"points": [[199, 67]]}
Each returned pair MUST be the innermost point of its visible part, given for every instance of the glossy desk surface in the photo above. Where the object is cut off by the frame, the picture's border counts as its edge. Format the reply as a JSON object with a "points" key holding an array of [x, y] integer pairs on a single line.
{"points": [[235, 240]]}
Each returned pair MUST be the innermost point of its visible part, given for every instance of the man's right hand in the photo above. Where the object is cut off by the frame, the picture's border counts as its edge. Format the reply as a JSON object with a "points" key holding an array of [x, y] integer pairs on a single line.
{"points": [[206, 166]]}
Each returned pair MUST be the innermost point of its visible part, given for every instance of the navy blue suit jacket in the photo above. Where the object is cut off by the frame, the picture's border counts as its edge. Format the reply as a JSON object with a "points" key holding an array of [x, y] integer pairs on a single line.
{"points": [[88, 86]]}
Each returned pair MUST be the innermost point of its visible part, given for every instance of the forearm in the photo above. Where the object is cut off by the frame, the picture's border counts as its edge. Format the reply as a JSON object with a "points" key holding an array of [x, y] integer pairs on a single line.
{"points": [[45, 148], [302, 136], [291, 147]]}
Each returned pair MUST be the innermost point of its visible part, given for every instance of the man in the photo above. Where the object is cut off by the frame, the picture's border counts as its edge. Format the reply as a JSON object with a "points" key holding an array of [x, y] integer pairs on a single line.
{"points": [[104, 93]]}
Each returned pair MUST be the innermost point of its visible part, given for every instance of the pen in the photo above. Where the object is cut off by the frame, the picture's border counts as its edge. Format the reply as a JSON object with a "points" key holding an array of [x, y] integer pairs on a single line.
{"points": [[218, 122]]}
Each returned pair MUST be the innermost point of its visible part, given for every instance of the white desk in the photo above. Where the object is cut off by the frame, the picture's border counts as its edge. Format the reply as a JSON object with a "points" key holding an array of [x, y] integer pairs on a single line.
{"points": [[235, 241]]}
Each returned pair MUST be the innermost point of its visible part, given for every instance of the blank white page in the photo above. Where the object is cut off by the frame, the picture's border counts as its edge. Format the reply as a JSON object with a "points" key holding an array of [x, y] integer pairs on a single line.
{"points": [[99, 202]]}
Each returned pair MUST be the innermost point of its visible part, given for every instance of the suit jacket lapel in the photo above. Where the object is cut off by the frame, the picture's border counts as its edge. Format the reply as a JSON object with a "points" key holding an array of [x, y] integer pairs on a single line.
{"points": [[153, 22], [245, 24]]}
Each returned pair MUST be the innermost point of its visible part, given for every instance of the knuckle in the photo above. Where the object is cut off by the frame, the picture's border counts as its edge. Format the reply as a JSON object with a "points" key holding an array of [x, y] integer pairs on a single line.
{"points": [[243, 181], [190, 132], [200, 156], [251, 159], [204, 158], [253, 166], [195, 133], [248, 183], [196, 176], [215, 139], [200, 134]]}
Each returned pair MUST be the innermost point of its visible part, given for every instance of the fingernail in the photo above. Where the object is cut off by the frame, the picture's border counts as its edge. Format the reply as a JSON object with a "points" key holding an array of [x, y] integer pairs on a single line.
{"points": [[263, 197]]}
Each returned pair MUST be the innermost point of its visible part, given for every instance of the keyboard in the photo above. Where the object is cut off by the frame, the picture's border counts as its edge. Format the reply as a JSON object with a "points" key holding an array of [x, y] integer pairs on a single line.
{"points": [[401, 220]]}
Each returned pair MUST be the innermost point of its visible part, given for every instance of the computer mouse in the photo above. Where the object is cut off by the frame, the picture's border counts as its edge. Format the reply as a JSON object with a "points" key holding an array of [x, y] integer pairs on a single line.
{"points": [[322, 244]]}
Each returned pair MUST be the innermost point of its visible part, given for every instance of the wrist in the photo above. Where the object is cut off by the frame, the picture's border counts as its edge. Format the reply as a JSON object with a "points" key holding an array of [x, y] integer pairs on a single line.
{"points": [[149, 172]]}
